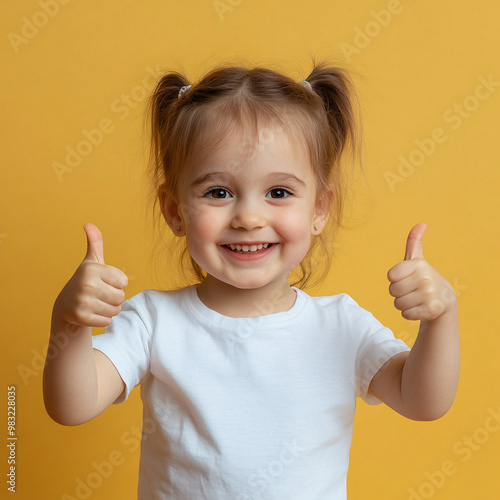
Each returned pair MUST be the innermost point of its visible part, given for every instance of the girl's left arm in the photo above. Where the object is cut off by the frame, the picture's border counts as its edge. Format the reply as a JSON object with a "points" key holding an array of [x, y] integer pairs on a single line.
{"points": [[422, 384]]}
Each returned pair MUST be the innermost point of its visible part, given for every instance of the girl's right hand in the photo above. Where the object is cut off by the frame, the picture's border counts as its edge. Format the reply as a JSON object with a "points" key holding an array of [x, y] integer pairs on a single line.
{"points": [[95, 293]]}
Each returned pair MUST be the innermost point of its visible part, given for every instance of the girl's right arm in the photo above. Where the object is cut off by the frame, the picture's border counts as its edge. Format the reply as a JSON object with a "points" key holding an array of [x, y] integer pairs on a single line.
{"points": [[80, 382]]}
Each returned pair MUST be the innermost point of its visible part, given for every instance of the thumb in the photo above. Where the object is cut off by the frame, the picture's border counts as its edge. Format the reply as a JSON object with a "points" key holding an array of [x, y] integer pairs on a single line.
{"points": [[95, 245], [414, 242]]}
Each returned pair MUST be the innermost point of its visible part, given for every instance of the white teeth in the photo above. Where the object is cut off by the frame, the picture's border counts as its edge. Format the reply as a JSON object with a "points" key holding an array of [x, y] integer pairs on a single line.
{"points": [[247, 248]]}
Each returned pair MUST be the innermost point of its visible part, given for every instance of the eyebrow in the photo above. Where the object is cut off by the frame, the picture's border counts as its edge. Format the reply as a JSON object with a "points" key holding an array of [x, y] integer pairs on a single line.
{"points": [[281, 176]]}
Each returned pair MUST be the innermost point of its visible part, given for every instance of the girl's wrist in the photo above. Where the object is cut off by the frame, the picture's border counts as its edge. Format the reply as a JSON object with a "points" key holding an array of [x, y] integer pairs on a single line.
{"points": [[448, 318]]}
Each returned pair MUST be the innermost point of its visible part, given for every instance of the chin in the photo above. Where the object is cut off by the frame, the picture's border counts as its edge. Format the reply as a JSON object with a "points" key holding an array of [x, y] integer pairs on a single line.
{"points": [[250, 284]]}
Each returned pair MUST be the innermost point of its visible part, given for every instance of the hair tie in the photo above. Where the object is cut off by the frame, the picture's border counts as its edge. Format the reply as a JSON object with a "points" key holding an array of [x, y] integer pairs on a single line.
{"points": [[183, 91], [305, 83]]}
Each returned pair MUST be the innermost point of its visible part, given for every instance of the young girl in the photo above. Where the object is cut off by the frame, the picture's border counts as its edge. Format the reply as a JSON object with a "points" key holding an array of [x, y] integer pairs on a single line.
{"points": [[248, 383]]}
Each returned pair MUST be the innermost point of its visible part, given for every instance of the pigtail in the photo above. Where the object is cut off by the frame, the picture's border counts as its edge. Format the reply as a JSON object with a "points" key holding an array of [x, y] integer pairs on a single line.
{"points": [[159, 117], [341, 131], [335, 88]]}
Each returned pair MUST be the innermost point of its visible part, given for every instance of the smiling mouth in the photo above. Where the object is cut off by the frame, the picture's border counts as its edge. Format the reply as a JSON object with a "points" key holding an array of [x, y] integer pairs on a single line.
{"points": [[248, 248]]}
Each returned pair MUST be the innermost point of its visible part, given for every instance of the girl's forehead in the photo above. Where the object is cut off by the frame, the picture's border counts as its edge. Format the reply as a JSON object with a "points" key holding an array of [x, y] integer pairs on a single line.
{"points": [[242, 143]]}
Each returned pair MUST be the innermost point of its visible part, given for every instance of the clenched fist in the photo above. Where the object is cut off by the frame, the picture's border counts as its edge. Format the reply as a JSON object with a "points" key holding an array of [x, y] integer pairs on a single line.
{"points": [[420, 292], [95, 293]]}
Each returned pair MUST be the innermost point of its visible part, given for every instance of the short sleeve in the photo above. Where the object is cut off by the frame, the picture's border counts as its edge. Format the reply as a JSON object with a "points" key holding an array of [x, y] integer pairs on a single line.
{"points": [[377, 345], [126, 342]]}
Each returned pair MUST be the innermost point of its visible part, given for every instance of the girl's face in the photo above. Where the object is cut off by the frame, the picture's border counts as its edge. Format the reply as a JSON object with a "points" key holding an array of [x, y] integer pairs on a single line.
{"points": [[248, 213]]}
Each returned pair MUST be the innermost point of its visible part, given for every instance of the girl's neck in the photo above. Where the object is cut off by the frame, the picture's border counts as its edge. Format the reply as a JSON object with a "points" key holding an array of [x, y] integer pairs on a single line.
{"points": [[246, 303]]}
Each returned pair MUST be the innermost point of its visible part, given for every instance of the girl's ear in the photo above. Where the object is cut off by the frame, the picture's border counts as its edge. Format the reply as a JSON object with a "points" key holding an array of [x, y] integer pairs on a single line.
{"points": [[322, 211], [170, 211]]}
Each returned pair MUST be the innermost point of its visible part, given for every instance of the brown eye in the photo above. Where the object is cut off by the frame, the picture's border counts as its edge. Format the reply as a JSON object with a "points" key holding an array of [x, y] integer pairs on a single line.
{"points": [[218, 193], [279, 192]]}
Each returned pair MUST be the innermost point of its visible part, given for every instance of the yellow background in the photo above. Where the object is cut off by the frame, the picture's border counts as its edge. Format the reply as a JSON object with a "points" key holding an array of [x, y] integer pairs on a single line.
{"points": [[68, 70]]}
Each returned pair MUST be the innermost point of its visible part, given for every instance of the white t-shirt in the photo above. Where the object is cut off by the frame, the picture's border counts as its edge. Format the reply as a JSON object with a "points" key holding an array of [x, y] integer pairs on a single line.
{"points": [[246, 408]]}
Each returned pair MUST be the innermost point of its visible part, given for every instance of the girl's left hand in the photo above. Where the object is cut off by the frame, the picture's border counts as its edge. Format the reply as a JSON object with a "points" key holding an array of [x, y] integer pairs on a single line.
{"points": [[420, 292]]}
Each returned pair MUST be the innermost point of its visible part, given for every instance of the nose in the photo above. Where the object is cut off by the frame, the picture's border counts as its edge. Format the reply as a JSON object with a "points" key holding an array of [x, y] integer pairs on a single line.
{"points": [[248, 215]]}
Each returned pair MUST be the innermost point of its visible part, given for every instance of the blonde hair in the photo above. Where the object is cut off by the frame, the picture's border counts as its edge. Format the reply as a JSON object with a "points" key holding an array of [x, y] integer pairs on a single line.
{"points": [[322, 118]]}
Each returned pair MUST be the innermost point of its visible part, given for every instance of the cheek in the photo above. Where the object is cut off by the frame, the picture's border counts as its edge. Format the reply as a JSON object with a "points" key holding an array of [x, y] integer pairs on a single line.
{"points": [[194, 216], [294, 225], [295, 228], [202, 228]]}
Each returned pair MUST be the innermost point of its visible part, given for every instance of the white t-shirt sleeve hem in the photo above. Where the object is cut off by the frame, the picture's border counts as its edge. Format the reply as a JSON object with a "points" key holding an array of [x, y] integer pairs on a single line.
{"points": [[126, 342], [380, 354], [100, 344]]}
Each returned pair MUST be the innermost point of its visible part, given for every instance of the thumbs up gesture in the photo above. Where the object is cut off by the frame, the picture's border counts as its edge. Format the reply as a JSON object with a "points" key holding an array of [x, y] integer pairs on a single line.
{"points": [[420, 292], [95, 292]]}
